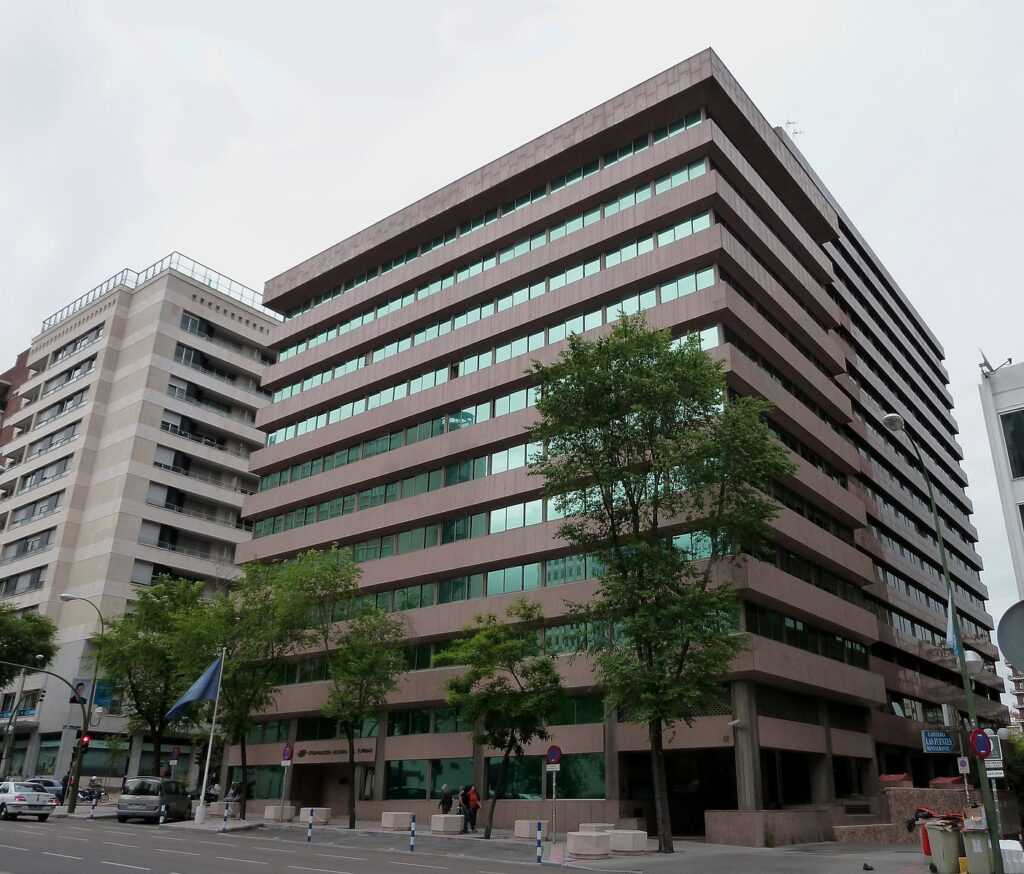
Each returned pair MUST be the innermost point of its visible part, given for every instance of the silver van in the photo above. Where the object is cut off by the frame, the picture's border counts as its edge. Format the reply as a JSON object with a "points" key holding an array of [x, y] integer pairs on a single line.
{"points": [[143, 797]]}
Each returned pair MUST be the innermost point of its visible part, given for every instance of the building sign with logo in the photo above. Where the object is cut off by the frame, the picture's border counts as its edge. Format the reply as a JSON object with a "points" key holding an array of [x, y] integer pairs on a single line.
{"points": [[938, 740]]}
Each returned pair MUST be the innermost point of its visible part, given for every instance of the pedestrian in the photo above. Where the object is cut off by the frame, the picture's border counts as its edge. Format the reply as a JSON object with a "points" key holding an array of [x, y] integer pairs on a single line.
{"points": [[233, 792], [446, 799], [215, 790], [474, 805], [464, 807], [64, 786]]}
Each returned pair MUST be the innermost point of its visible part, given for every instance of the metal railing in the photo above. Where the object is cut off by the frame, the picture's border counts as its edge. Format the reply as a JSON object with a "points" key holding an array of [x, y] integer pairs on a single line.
{"points": [[199, 514], [202, 478], [204, 554], [171, 428], [175, 261], [244, 351], [181, 395], [228, 378], [10, 559]]}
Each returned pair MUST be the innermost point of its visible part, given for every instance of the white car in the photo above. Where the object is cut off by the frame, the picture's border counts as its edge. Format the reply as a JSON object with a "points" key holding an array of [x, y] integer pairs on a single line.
{"points": [[23, 799]]}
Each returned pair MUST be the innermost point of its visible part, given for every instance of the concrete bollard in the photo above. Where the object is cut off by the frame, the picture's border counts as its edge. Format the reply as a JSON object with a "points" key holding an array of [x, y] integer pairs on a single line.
{"points": [[412, 834], [224, 827], [163, 814], [540, 843]]}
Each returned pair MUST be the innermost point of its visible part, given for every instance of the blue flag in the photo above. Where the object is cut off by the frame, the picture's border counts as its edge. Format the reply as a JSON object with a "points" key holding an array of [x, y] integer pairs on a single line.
{"points": [[203, 689]]}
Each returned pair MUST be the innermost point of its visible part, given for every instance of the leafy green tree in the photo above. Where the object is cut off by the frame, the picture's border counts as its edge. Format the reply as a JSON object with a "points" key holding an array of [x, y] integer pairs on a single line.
{"points": [[510, 689], [23, 636], [1013, 761], [152, 653], [363, 666], [661, 478]]}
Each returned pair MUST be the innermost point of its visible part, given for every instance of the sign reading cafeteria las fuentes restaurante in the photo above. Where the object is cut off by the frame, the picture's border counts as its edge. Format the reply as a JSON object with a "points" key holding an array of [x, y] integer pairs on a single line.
{"points": [[307, 752]]}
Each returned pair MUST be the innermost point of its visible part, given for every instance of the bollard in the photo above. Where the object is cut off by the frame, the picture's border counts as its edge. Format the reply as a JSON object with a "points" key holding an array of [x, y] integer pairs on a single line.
{"points": [[163, 813], [92, 811], [540, 844], [309, 826], [412, 834], [224, 827]]}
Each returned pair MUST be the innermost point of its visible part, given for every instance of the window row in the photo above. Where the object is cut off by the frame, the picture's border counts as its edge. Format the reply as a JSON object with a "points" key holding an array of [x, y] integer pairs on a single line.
{"points": [[27, 545], [83, 368], [557, 184], [794, 632], [73, 346], [528, 244], [53, 470], [63, 406], [26, 581], [54, 439], [428, 481], [437, 377], [36, 510]]}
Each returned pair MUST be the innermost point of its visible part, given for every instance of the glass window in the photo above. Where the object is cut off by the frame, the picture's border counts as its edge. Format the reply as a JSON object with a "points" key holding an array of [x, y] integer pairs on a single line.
{"points": [[581, 776], [522, 779], [1013, 437], [406, 779]]}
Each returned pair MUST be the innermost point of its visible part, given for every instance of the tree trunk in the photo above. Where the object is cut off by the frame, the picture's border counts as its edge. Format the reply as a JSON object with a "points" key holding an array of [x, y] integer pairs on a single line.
{"points": [[243, 797], [499, 791], [351, 737], [158, 742], [661, 811]]}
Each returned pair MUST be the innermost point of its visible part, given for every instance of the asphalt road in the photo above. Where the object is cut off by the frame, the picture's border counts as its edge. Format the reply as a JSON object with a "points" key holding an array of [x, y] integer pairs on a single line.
{"points": [[63, 846]]}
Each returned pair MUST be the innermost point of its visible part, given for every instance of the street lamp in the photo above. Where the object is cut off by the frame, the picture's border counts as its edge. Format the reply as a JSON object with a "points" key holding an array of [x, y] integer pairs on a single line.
{"points": [[895, 422], [77, 777]]}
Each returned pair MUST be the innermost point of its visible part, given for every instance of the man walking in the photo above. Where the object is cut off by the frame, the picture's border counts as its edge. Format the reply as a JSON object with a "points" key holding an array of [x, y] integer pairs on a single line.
{"points": [[474, 806]]}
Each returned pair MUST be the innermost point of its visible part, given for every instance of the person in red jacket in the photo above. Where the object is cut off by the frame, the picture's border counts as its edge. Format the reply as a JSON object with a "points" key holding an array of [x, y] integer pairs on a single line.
{"points": [[474, 806]]}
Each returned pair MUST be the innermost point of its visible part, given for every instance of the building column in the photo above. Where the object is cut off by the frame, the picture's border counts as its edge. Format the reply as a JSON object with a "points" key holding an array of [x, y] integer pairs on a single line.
{"points": [[746, 746], [286, 789], [379, 760], [611, 757], [823, 780], [135, 753], [31, 765]]}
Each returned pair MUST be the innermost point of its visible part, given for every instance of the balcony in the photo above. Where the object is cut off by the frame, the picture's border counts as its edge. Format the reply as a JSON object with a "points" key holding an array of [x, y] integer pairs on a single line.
{"points": [[171, 428], [244, 351], [205, 554], [10, 559], [199, 514], [225, 378], [245, 417], [202, 478]]}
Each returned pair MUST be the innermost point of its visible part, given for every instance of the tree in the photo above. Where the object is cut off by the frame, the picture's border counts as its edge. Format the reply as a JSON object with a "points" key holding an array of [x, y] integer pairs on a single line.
{"points": [[511, 688], [23, 636], [152, 654], [662, 478], [272, 612], [363, 668]]}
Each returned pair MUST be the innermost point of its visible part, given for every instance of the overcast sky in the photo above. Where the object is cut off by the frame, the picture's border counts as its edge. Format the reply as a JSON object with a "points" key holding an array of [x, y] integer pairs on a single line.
{"points": [[251, 135]]}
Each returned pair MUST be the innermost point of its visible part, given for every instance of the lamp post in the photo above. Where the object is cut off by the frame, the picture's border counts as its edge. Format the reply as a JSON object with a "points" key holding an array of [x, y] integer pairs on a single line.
{"points": [[87, 718], [895, 422]]}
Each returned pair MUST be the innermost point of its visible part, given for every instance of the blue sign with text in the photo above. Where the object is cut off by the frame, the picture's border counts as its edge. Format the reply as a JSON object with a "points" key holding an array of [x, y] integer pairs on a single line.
{"points": [[937, 741]]}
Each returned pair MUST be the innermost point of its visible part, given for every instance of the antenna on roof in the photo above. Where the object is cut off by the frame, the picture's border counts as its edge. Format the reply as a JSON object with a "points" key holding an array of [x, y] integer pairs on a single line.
{"points": [[987, 369], [791, 128]]}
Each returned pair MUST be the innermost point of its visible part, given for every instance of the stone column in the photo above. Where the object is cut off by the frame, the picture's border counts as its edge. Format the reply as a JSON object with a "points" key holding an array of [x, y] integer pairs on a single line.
{"points": [[746, 746], [293, 733], [611, 761], [823, 780], [379, 760]]}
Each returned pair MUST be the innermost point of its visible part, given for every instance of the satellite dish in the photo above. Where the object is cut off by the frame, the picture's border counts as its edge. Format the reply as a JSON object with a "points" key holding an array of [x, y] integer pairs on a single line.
{"points": [[1010, 634]]}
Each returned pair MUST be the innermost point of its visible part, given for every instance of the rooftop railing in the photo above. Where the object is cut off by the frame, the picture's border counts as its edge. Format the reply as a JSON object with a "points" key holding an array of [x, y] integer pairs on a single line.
{"points": [[175, 261]]}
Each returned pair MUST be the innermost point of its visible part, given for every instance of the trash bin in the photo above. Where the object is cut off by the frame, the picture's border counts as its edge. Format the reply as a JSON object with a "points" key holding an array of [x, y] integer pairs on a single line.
{"points": [[979, 851], [926, 847], [945, 844]]}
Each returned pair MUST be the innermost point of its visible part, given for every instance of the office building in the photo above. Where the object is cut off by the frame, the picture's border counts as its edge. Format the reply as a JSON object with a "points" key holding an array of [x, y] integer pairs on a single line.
{"points": [[399, 428], [127, 458]]}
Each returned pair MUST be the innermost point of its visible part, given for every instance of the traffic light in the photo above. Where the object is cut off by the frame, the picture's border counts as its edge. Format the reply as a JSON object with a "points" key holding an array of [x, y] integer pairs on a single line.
{"points": [[40, 697], [83, 744]]}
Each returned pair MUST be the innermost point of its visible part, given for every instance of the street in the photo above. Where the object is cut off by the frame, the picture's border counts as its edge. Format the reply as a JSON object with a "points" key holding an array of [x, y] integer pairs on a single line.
{"points": [[68, 846], [63, 846]]}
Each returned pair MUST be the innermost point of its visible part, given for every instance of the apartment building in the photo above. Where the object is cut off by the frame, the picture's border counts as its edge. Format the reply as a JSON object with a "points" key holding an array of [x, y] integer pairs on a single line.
{"points": [[399, 427], [128, 458]]}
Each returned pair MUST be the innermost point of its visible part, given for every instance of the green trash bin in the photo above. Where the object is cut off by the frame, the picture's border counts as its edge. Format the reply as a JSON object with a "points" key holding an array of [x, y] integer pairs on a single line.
{"points": [[945, 843], [978, 849]]}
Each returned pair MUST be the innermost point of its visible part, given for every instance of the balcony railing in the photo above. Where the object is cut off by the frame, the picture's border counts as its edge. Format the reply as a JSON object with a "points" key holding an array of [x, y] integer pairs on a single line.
{"points": [[17, 523], [66, 382], [174, 261], [202, 478], [225, 378], [187, 550], [244, 351], [63, 412], [180, 395], [26, 489], [204, 441], [10, 559], [199, 514]]}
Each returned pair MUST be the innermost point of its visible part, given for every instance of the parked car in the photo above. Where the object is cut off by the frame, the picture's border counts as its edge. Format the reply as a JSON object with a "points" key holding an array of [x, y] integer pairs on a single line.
{"points": [[143, 797], [49, 784], [24, 799]]}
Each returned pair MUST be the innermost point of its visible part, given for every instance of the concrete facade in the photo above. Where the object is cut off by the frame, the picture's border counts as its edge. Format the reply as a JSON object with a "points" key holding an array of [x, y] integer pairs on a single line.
{"points": [[128, 458], [400, 419]]}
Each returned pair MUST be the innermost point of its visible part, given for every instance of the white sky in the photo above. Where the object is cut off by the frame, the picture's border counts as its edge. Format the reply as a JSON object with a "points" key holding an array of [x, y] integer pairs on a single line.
{"points": [[251, 135]]}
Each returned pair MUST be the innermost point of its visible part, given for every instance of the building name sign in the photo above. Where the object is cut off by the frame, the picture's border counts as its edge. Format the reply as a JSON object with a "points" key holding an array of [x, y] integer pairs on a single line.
{"points": [[934, 740]]}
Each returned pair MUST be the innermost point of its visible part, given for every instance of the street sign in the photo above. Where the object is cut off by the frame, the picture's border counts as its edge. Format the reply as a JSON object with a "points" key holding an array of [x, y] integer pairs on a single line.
{"points": [[175, 753], [995, 759], [286, 753], [963, 764], [286, 763], [554, 755], [995, 774], [981, 744], [554, 769], [934, 740]]}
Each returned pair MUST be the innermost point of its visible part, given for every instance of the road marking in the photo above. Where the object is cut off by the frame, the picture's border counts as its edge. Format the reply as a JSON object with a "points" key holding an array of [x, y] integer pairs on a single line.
{"points": [[247, 861], [9, 847], [167, 838], [122, 865], [71, 838], [80, 828], [271, 849], [116, 844], [62, 856], [327, 870], [415, 865], [217, 843], [120, 831], [336, 856], [181, 852]]}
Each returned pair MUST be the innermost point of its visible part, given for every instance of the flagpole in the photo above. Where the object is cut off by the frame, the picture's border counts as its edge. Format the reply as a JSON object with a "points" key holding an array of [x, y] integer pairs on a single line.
{"points": [[201, 810]]}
